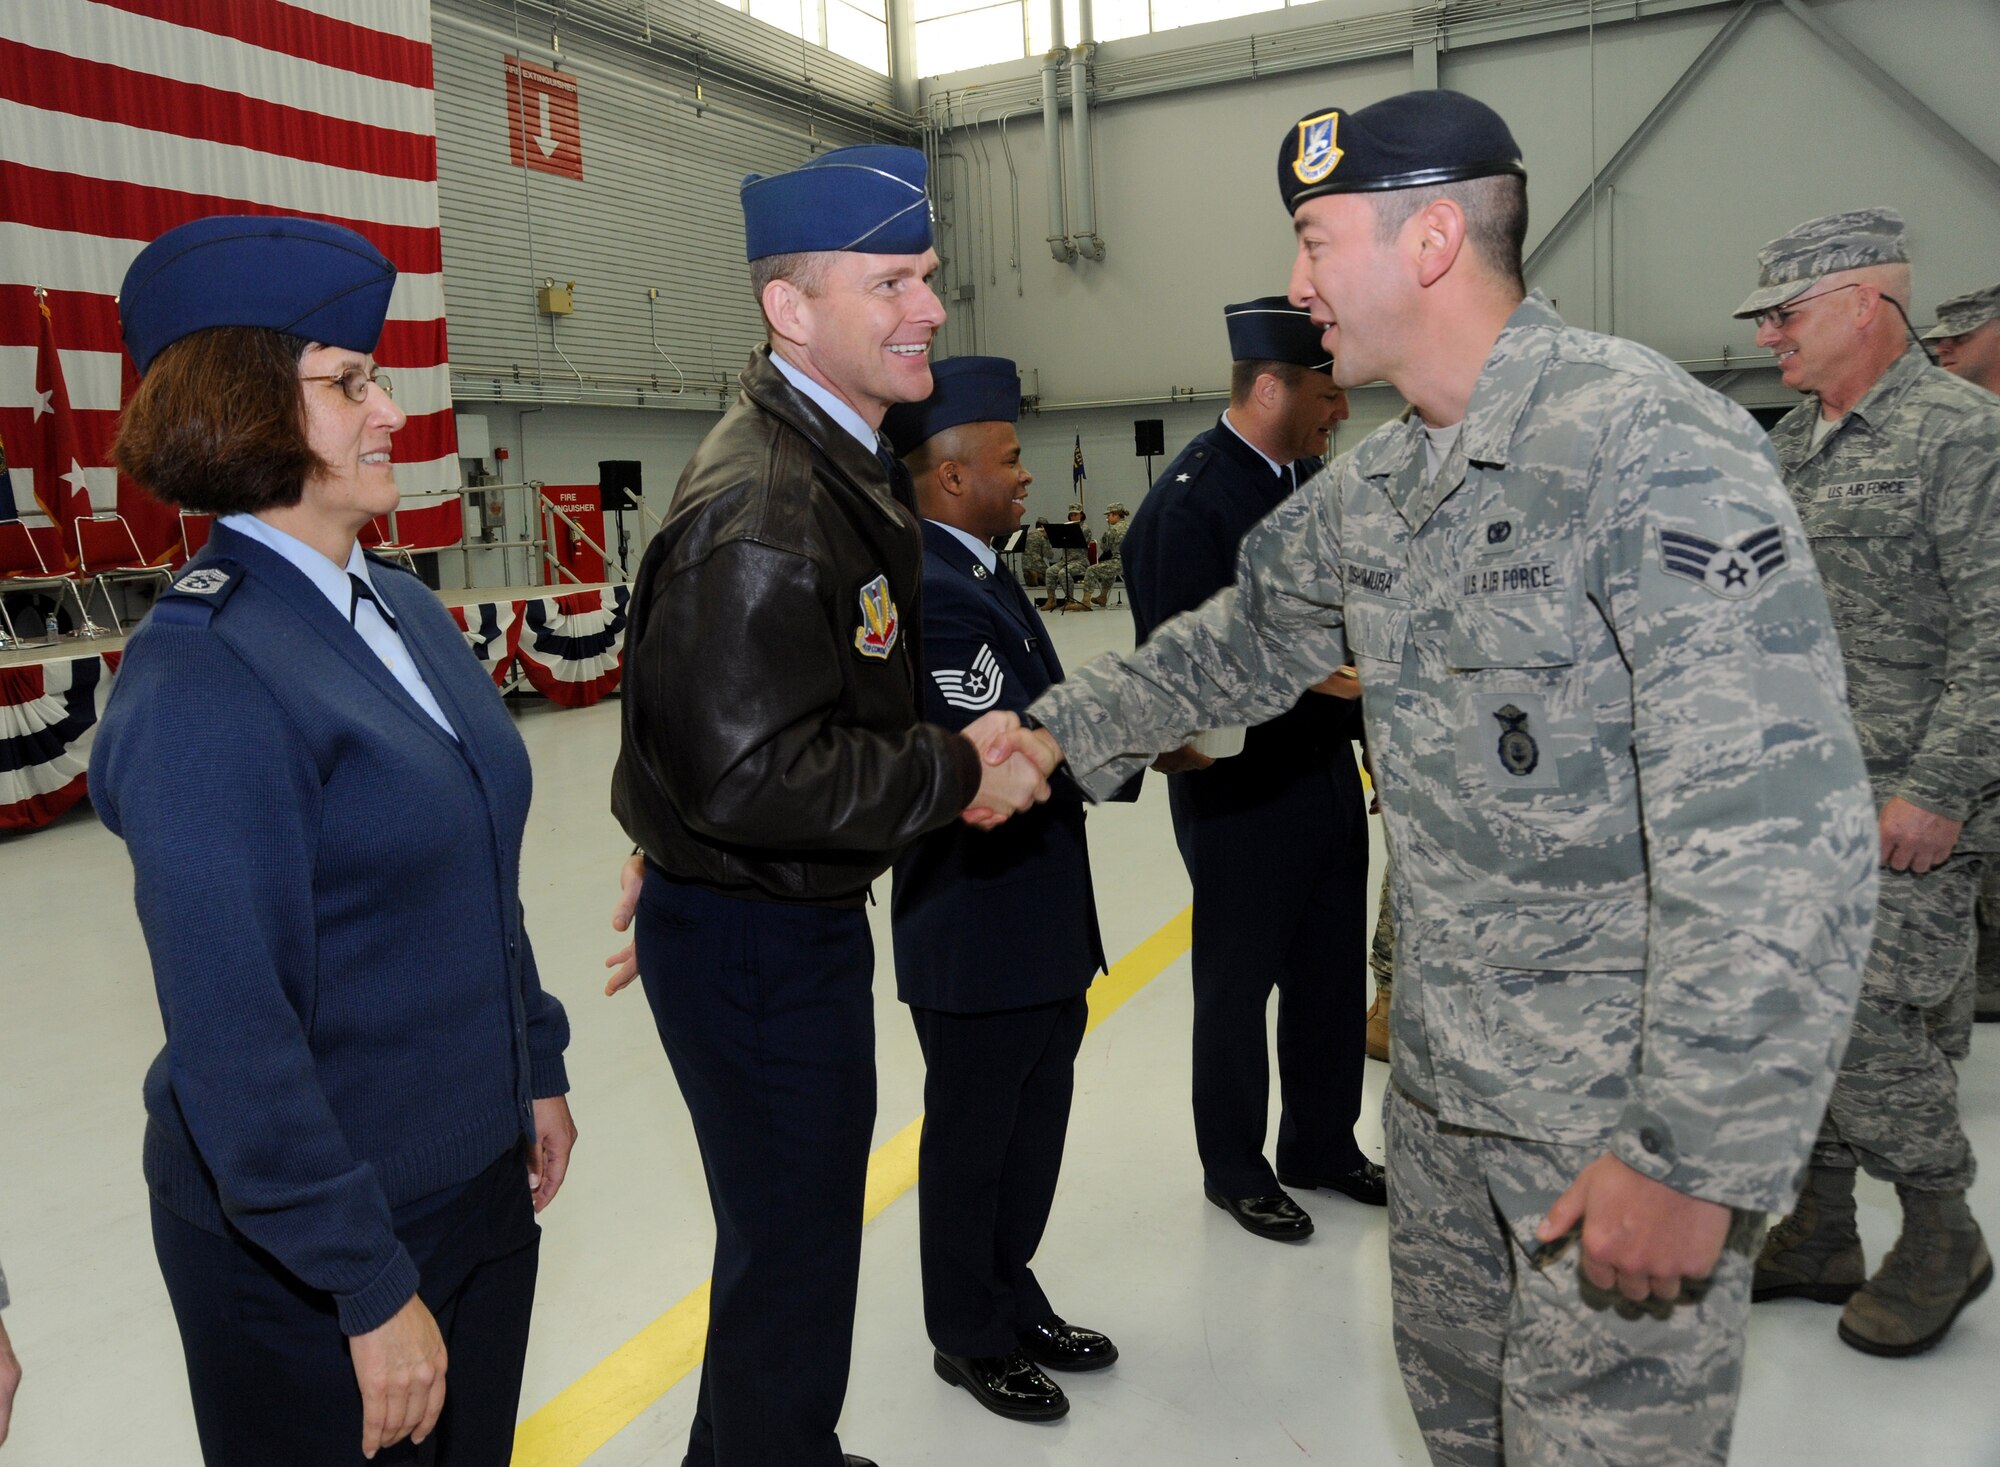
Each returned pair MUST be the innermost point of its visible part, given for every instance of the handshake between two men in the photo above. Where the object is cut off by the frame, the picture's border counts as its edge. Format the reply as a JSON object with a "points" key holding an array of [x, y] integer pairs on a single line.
{"points": [[1014, 767]]}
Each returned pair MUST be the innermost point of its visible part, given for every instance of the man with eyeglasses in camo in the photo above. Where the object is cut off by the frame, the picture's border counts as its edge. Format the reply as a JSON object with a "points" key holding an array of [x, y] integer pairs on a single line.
{"points": [[1894, 465]]}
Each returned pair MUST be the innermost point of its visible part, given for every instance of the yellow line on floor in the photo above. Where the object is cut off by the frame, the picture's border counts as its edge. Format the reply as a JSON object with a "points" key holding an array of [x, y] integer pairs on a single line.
{"points": [[612, 1394]]}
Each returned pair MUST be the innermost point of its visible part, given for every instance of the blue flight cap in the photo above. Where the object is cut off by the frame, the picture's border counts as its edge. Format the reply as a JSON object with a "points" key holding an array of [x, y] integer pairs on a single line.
{"points": [[303, 277], [1272, 329], [1413, 140], [869, 198], [963, 390]]}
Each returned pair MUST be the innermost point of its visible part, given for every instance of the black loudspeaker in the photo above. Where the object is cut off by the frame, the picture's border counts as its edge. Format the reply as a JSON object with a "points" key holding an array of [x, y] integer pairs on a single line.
{"points": [[1149, 437], [618, 484]]}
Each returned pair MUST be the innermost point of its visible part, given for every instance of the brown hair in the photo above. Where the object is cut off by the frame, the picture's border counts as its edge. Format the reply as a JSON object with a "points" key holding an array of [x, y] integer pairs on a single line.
{"points": [[218, 423], [1243, 376], [1496, 218]]}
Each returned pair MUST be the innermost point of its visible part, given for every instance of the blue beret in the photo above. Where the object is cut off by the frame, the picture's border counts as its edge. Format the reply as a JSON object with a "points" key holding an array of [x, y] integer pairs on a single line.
{"points": [[1414, 140], [963, 390], [869, 198], [1272, 329], [300, 276]]}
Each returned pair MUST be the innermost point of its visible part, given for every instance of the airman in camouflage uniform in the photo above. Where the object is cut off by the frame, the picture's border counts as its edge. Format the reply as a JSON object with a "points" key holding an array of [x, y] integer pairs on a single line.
{"points": [[1968, 345], [1066, 571], [1104, 575], [1894, 466], [1631, 826], [1035, 552]]}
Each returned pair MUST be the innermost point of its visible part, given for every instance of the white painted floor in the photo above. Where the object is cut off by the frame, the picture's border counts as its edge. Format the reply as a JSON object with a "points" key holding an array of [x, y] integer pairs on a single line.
{"points": [[1235, 1350]]}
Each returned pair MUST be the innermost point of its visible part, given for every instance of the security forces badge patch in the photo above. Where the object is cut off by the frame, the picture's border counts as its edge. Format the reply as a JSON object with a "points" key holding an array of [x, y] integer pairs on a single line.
{"points": [[1734, 568], [1319, 153], [880, 624], [1519, 754]]}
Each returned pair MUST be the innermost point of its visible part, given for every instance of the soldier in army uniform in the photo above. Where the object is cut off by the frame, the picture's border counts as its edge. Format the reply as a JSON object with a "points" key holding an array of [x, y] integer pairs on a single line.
{"points": [[1097, 583], [1633, 835], [1035, 554], [1968, 345], [1894, 466]]}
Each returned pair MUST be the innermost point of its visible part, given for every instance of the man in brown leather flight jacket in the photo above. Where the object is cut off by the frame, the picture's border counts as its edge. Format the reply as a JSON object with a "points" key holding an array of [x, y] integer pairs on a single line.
{"points": [[774, 763]]}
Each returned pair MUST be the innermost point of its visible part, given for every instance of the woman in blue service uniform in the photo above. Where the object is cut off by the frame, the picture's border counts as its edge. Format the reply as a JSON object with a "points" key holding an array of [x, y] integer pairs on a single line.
{"points": [[359, 1108]]}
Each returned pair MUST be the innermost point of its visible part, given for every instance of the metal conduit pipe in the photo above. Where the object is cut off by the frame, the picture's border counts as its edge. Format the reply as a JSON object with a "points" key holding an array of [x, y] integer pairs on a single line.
{"points": [[1086, 238], [1059, 242]]}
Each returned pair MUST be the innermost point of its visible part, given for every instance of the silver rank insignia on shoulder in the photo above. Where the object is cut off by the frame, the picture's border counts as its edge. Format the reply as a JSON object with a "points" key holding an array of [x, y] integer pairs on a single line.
{"points": [[203, 582], [1519, 754], [1733, 568]]}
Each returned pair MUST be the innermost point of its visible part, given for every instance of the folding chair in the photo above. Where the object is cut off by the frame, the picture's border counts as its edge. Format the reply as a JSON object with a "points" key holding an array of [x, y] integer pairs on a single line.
{"points": [[107, 553], [376, 536], [194, 531], [23, 569]]}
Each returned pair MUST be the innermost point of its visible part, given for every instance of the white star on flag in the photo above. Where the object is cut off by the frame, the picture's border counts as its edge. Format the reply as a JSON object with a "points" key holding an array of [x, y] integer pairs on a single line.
{"points": [[74, 478], [42, 405]]}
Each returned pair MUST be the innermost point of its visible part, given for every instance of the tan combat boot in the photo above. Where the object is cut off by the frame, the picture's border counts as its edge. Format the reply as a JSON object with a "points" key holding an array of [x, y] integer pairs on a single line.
{"points": [[1816, 1252], [1378, 1029], [1937, 1267]]}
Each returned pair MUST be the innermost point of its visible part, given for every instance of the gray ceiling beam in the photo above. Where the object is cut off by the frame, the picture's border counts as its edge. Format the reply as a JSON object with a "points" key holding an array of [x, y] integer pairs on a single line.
{"points": [[1643, 133], [1909, 101]]}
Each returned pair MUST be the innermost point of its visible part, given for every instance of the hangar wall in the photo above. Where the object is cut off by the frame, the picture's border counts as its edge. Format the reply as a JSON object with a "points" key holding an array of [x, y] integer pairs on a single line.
{"points": [[1778, 129]]}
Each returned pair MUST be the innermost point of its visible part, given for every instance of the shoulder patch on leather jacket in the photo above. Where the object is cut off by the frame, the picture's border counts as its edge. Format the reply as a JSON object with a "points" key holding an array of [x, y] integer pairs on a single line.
{"points": [[880, 622]]}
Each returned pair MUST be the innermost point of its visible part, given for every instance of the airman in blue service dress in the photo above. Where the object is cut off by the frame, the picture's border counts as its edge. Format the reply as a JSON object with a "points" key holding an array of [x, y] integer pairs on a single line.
{"points": [[996, 944], [323, 798], [1275, 840]]}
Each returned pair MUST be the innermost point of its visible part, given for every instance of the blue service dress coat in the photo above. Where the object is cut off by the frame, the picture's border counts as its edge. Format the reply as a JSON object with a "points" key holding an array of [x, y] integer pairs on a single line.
{"points": [[996, 943], [1000, 919], [1276, 844]]}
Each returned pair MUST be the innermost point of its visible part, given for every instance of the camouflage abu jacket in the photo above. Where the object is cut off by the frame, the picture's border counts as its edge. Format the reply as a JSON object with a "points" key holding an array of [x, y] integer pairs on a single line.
{"points": [[1634, 843], [1901, 503]]}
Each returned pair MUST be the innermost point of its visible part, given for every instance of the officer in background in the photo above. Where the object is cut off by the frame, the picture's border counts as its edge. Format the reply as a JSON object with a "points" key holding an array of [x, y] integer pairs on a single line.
{"points": [[1035, 554], [773, 763], [1895, 468], [1968, 345], [1104, 574], [1066, 570], [999, 1021], [1633, 836], [1275, 838]]}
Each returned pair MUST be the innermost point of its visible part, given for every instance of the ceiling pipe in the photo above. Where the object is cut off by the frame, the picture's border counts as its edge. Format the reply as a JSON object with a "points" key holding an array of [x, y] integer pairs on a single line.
{"points": [[1086, 240], [1060, 245]]}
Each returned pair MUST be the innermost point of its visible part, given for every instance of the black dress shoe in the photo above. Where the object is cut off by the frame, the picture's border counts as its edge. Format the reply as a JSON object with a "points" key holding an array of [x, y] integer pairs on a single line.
{"points": [[1059, 1346], [1007, 1385], [1268, 1217], [853, 1461], [1366, 1183]]}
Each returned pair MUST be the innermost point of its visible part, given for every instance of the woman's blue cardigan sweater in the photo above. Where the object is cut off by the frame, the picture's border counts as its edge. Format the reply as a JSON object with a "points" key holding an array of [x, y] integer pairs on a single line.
{"points": [[329, 889]]}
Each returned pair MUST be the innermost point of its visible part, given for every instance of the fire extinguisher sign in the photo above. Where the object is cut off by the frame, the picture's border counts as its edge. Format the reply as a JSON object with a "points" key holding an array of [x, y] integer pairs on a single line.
{"points": [[543, 130]]}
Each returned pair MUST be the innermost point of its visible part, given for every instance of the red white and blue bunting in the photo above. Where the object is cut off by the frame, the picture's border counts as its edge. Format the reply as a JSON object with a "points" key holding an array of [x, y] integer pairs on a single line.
{"points": [[48, 715], [572, 648]]}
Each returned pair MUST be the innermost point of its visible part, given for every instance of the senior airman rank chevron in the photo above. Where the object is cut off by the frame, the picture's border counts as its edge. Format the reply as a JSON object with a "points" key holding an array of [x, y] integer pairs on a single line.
{"points": [[1734, 568], [975, 689]]}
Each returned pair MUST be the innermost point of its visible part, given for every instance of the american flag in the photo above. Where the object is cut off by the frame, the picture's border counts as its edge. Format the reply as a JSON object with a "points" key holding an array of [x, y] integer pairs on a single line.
{"points": [[122, 118]]}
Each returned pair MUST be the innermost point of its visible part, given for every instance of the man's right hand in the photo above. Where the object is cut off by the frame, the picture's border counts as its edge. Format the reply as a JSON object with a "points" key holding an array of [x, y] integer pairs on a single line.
{"points": [[400, 1368], [1184, 760], [626, 960], [10, 1381]]}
